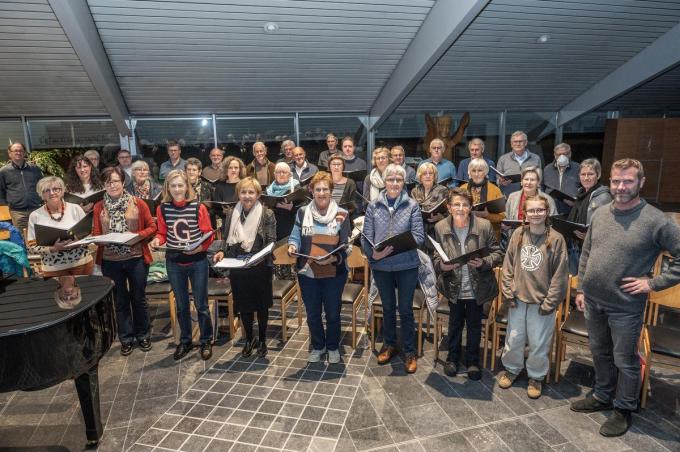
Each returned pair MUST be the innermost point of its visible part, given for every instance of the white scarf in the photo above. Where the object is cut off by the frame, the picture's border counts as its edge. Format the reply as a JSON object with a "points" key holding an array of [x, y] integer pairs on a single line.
{"points": [[312, 215], [244, 233], [377, 184]]}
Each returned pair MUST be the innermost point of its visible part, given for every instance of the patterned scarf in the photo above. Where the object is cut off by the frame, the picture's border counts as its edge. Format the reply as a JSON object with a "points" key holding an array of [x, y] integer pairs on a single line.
{"points": [[276, 189], [143, 191], [330, 219], [116, 209]]}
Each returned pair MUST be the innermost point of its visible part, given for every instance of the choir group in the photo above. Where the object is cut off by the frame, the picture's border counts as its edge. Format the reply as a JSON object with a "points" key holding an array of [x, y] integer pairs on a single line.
{"points": [[463, 223]]}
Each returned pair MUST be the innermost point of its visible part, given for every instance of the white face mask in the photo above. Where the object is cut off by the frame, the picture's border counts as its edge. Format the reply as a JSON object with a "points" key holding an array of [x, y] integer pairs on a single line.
{"points": [[562, 160]]}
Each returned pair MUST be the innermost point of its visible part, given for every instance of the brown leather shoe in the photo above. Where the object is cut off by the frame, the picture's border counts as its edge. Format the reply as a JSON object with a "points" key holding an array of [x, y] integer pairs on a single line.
{"points": [[386, 354], [411, 364]]}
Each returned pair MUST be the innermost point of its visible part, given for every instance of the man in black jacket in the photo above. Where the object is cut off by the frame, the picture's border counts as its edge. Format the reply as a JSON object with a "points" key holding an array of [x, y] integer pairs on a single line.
{"points": [[18, 181]]}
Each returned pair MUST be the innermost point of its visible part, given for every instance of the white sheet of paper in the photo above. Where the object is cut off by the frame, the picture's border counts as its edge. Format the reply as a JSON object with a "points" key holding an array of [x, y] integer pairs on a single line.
{"points": [[231, 262], [439, 249]]}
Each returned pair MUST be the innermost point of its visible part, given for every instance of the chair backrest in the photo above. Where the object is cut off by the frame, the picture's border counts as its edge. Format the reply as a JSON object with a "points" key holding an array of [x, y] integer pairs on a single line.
{"points": [[4, 213], [669, 297], [356, 259], [571, 289], [281, 256]]}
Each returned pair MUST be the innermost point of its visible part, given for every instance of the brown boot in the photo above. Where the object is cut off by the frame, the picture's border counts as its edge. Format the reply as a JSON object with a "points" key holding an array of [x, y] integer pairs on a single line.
{"points": [[386, 354], [411, 365]]}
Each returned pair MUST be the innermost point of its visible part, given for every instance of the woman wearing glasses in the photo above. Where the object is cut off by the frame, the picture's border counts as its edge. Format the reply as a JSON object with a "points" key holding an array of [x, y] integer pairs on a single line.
{"points": [[535, 274], [344, 189], [283, 184], [374, 182], [141, 184], [391, 214], [591, 196], [321, 224], [126, 265], [466, 287], [58, 259]]}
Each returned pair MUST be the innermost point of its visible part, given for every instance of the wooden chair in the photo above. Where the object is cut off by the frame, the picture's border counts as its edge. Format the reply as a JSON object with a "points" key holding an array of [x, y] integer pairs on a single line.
{"points": [[162, 291], [285, 291], [219, 294], [354, 293], [497, 320], [571, 329], [487, 323], [659, 343]]}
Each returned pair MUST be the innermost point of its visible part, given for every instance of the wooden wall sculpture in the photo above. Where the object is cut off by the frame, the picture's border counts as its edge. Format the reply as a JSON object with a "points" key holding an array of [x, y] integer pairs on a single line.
{"points": [[440, 127]]}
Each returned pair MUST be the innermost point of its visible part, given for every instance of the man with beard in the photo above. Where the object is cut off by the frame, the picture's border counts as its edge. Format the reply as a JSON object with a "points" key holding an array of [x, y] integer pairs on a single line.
{"points": [[622, 243]]}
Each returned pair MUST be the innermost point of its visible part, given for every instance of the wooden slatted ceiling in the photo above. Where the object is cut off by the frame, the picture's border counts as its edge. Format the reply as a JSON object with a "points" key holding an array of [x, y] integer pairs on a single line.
{"points": [[213, 56], [497, 63], [41, 74]]}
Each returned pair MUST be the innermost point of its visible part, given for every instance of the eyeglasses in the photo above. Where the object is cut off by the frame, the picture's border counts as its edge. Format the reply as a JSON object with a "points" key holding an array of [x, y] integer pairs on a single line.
{"points": [[112, 182], [394, 180], [321, 189], [53, 190], [459, 205], [536, 211]]}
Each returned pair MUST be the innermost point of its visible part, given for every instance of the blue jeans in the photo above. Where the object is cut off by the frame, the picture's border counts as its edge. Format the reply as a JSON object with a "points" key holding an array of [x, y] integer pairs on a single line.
{"points": [[613, 335], [405, 283], [132, 312], [179, 275], [323, 294]]}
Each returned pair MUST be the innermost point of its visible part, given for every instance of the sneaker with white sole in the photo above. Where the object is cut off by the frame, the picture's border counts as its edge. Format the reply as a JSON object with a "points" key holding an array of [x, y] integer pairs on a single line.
{"points": [[315, 355], [333, 356]]}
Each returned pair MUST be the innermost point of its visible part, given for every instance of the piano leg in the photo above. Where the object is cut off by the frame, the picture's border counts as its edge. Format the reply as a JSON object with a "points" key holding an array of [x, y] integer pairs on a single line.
{"points": [[87, 386]]}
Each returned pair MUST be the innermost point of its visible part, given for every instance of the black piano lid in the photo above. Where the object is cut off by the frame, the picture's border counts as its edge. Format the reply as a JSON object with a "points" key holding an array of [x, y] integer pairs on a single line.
{"points": [[28, 305]]}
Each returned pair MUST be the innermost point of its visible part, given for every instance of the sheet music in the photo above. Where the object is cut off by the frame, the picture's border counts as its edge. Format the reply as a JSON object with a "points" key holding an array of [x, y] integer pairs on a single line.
{"points": [[231, 262]]}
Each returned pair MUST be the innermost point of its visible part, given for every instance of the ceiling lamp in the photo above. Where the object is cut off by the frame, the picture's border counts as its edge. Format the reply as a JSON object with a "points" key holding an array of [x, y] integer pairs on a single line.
{"points": [[543, 39], [271, 27]]}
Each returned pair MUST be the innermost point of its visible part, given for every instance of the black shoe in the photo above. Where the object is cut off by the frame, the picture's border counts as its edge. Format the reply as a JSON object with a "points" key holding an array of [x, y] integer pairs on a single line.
{"points": [[617, 424], [206, 351], [145, 344], [248, 348], [181, 351], [262, 349], [126, 349], [589, 405], [450, 368], [474, 373]]}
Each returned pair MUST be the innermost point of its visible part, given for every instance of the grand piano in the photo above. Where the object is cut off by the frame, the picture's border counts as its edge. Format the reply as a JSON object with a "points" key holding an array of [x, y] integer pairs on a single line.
{"points": [[44, 341]]}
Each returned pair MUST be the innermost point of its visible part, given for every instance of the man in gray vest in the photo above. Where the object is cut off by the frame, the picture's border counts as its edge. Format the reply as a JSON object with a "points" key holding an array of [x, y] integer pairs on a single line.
{"points": [[622, 243]]}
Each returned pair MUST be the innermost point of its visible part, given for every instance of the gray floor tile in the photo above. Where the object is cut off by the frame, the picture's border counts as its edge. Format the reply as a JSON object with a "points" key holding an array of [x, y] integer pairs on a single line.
{"points": [[453, 441], [519, 436], [427, 420], [485, 440], [546, 431], [370, 438], [362, 414]]}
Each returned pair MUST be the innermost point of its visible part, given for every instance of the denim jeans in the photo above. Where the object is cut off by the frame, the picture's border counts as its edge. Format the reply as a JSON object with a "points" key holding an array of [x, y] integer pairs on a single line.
{"points": [[179, 275], [323, 294], [405, 282], [527, 327], [613, 335], [465, 312], [132, 312]]}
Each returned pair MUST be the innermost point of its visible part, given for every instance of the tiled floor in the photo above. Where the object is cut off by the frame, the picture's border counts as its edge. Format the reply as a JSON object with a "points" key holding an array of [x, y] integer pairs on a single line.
{"points": [[151, 402]]}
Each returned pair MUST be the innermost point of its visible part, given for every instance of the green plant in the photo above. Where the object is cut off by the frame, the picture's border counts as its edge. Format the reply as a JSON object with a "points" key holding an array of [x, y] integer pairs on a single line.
{"points": [[51, 162]]}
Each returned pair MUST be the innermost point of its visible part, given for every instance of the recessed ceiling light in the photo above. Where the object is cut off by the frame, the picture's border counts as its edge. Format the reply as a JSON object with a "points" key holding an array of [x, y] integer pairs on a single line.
{"points": [[271, 27], [543, 38], [204, 123]]}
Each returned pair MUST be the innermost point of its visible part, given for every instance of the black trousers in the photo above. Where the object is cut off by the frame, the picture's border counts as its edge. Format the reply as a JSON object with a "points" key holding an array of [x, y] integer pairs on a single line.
{"points": [[469, 314], [248, 319]]}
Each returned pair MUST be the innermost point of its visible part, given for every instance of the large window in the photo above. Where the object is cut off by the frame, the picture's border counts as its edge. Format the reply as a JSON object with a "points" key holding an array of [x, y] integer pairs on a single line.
{"points": [[236, 135], [585, 135], [195, 136], [11, 131], [410, 129], [314, 129], [77, 134]]}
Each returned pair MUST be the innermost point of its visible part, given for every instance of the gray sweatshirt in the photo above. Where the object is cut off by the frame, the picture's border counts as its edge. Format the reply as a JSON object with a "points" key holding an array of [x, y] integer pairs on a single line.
{"points": [[622, 243]]}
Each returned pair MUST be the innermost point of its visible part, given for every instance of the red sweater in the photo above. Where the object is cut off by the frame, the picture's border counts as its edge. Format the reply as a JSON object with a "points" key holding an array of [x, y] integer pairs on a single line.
{"points": [[147, 227], [204, 224]]}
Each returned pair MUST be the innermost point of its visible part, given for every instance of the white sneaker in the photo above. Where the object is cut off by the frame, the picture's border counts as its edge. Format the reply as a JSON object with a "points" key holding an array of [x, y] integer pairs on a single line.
{"points": [[333, 356], [315, 355]]}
